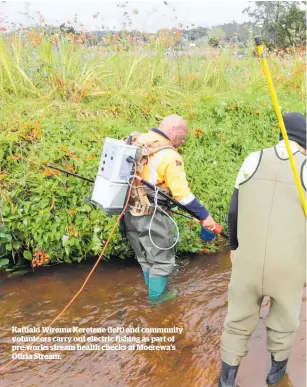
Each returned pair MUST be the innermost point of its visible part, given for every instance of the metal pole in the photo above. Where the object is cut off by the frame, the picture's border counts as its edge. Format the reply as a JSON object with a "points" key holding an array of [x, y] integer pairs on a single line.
{"points": [[165, 196], [193, 218], [70, 173], [149, 185]]}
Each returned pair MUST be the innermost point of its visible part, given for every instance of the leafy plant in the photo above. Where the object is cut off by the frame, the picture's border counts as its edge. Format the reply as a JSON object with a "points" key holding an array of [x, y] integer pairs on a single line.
{"points": [[62, 99]]}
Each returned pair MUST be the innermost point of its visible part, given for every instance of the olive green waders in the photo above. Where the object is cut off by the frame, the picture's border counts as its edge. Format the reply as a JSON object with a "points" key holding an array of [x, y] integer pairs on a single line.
{"points": [[156, 262], [270, 260]]}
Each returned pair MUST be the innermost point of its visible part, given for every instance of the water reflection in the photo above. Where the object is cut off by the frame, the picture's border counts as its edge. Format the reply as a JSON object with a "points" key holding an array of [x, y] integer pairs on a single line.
{"points": [[116, 296]]}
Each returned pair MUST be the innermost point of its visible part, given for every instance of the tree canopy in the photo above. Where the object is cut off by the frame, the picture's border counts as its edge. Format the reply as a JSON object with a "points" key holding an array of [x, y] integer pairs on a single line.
{"points": [[282, 23]]}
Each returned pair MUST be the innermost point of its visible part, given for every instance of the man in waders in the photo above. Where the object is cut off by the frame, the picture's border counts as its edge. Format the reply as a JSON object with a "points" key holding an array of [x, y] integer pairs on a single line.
{"points": [[267, 230], [162, 166]]}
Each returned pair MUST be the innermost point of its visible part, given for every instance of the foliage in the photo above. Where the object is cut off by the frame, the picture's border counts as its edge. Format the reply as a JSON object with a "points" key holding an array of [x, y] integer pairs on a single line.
{"points": [[238, 32], [216, 32], [194, 33], [213, 41], [59, 99], [283, 22], [291, 29]]}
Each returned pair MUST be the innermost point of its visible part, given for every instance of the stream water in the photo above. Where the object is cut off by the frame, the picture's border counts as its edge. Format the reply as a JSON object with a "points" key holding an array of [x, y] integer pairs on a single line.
{"points": [[116, 297]]}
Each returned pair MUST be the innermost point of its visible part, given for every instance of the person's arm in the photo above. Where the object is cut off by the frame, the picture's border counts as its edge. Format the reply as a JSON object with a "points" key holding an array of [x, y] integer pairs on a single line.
{"points": [[233, 220], [304, 175], [176, 181], [247, 169]]}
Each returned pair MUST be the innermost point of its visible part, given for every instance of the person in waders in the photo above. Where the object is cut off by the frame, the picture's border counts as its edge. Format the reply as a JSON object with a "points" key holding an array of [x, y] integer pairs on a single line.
{"points": [[267, 230], [150, 232]]}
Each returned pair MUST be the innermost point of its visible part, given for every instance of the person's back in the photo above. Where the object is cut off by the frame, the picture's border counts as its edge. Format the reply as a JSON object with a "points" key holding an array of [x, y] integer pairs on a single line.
{"points": [[267, 229], [148, 226], [165, 168], [271, 224]]}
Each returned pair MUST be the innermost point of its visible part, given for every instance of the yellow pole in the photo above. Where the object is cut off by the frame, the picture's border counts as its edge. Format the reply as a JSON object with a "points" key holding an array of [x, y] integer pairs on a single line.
{"points": [[281, 122]]}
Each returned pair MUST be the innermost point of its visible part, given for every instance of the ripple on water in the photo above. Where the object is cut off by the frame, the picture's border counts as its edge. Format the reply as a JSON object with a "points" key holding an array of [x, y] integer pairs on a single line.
{"points": [[116, 296]]}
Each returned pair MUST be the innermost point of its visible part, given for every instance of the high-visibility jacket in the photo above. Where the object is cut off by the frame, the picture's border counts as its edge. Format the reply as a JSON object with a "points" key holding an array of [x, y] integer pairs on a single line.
{"points": [[164, 168]]}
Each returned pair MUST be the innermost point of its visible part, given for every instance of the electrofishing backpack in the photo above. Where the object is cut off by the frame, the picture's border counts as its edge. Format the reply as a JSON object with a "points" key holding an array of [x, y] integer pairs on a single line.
{"points": [[119, 161]]}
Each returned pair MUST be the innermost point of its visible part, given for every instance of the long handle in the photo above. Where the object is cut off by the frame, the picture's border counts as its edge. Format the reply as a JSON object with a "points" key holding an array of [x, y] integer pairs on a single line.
{"points": [[192, 218], [281, 122], [145, 182], [218, 228], [70, 173]]}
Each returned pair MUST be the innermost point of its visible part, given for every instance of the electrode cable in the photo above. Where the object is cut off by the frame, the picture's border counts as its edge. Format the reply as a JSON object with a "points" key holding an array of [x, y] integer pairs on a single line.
{"points": [[85, 281], [156, 206]]}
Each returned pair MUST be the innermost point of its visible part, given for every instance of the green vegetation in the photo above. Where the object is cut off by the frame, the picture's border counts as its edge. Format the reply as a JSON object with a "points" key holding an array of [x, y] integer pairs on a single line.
{"points": [[283, 22], [59, 99]]}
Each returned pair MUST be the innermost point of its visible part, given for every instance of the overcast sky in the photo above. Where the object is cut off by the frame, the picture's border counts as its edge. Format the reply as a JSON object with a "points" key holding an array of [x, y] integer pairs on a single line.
{"points": [[144, 15]]}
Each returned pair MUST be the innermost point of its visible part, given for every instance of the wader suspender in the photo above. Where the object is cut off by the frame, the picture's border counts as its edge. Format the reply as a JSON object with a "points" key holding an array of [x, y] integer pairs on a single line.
{"points": [[139, 203]]}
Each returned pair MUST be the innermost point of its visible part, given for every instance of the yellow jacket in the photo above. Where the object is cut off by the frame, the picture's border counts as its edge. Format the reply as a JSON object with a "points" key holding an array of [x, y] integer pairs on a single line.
{"points": [[166, 169]]}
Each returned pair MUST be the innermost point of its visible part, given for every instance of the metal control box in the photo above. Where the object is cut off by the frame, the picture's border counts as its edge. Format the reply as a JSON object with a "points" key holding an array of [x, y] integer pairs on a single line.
{"points": [[108, 196], [113, 164], [111, 184]]}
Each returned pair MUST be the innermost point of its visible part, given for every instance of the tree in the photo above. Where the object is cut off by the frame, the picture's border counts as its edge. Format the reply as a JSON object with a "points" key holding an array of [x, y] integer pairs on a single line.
{"points": [[68, 30], [291, 29], [216, 36], [238, 32], [194, 33], [213, 41], [278, 21]]}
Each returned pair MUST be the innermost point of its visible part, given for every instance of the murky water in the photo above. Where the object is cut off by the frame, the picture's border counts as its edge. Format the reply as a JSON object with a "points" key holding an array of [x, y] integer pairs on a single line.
{"points": [[116, 296]]}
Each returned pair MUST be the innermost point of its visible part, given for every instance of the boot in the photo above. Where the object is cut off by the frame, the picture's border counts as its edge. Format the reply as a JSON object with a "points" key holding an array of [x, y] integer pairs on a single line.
{"points": [[277, 371], [157, 287], [228, 377], [146, 277]]}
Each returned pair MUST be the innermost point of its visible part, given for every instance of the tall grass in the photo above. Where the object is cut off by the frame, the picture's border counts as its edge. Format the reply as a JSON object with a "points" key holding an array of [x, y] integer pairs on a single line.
{"points": [[60, 98], [58, 68]]}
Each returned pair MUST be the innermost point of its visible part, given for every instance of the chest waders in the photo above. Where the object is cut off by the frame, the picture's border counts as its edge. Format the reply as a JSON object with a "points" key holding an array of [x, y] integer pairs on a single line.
{"points": [[278, 368], [270, 260], [156, 263]]}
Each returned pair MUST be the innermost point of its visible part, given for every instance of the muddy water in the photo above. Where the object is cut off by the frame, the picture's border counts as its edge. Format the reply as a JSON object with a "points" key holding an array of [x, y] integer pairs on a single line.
{"points": [[116, 296]]}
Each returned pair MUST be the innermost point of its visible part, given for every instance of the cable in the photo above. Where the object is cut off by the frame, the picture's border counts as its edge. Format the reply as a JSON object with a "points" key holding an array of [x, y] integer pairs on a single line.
{"points": [[151, 220], [86, 280], [156, 206], [161, 209]]}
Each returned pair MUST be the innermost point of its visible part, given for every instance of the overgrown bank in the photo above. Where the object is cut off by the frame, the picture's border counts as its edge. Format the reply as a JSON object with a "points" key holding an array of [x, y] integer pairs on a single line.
{"points": [[225, 101]]}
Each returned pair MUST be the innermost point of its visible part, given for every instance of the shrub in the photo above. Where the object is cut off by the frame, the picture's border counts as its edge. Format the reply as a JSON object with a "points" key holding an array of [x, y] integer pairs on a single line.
{"points": [[61, 115]]}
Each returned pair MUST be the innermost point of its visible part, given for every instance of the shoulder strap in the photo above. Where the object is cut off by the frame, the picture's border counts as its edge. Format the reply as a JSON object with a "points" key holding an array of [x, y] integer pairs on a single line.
{"points": [[149, 147], [156, 147]]}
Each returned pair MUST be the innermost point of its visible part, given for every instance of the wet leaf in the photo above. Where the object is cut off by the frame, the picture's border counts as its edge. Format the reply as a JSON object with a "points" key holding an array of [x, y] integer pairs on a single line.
{"points": [[4, 262], [18, 273], [27, 255]]}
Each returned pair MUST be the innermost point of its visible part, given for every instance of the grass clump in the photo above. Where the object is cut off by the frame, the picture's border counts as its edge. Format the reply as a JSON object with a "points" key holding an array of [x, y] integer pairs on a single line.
{"points": [[59, 101]]}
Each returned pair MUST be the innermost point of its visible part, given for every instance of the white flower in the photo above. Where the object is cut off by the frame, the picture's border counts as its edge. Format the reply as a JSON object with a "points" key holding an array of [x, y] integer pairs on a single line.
{"points": [[65, 239]]}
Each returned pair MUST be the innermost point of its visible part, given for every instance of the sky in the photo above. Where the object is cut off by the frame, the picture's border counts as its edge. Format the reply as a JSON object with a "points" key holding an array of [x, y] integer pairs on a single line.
{"points": [[144, 15]]}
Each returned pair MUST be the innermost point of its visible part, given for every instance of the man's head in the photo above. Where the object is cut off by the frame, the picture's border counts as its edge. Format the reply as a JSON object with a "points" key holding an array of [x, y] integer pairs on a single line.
{"points": [[176, 129], [295, 124]]}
